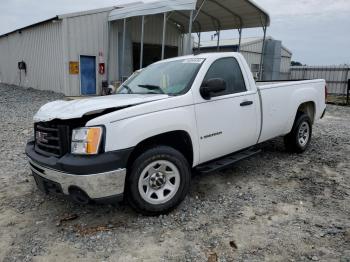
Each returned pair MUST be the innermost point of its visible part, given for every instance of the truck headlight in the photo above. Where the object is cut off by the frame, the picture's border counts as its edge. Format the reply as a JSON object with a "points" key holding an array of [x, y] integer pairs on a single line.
{"points": [[86, 140]]}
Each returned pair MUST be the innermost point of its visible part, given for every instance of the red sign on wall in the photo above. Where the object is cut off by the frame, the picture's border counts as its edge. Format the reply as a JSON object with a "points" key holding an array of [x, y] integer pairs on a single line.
{"points": [[101, 68]]}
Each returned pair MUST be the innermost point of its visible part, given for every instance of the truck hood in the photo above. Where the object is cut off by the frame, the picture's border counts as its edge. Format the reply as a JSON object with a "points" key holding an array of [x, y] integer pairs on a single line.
{"points": [[78, 108]]}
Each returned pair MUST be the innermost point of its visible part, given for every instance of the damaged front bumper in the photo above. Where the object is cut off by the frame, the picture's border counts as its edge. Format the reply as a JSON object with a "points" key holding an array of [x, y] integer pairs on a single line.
{"points": [[82, 188], [83, 178]]}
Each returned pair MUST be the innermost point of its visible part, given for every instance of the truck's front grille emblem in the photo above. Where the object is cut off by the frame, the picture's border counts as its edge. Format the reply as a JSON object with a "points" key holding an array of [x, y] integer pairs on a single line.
{"points": [[41, 137], [51, 139]]}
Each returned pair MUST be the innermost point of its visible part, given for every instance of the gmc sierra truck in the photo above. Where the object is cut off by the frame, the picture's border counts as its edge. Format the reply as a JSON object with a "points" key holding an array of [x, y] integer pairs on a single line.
{"points": [[201, 112]]}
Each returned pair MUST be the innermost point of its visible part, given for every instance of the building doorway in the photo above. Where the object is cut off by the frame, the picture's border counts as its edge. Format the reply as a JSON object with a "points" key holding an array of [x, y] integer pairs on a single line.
{"points": [[88, 75]]}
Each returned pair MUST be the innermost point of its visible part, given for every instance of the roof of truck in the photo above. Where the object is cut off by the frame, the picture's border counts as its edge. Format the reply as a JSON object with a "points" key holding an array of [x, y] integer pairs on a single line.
{"points": [[200, 56]]}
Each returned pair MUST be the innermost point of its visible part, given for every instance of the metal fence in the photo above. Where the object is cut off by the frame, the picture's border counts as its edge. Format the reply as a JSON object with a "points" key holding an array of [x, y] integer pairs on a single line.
{"points": [[337, 77]]}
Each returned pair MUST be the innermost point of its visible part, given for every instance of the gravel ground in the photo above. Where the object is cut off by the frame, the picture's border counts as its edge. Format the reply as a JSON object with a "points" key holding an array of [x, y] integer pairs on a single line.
{"points": [[275, 206]]}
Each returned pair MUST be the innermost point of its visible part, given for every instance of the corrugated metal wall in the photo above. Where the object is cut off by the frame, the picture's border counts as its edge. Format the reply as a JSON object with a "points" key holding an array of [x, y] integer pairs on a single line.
{"points": [[40, 48], [86, 35], [113, 50], [251, 58], [285, 64], [254, 47], [252, 53], [48, 48], [154, 31], [285, 68], [335, 76]]}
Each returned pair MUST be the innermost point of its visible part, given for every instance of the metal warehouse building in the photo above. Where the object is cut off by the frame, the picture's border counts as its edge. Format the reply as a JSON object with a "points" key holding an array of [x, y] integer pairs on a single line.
{"points": [[60, 51], [276, 59], [73, 54]]}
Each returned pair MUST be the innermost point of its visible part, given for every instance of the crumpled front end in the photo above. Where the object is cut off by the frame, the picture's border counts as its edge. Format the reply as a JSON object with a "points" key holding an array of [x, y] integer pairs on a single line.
{"points": [[56, 170]]}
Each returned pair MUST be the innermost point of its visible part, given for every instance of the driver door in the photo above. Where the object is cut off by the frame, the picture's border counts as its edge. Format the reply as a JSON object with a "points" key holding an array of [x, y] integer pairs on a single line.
{"points": [[228, 121]]}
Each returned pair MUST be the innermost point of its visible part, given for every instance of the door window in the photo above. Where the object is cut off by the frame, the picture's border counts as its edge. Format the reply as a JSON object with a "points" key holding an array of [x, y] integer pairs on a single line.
{"points": [[229, 70]]}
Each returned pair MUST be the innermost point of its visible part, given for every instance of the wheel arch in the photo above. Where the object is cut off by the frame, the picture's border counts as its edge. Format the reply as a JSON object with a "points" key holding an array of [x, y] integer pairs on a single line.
{"points": [[309, 108], [179, 140]]}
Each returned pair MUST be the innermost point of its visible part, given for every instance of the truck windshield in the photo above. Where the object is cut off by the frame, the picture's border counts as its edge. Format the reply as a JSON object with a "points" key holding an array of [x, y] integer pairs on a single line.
{"points": [[171, 78]]}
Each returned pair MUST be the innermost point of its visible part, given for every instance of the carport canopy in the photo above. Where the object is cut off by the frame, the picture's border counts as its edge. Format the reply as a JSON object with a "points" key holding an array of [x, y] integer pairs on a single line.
{"points": [[209, 15], [196, 16]]}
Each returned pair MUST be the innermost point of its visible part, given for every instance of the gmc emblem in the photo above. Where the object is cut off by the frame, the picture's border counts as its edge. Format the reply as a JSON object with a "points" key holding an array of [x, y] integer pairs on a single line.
{"points": [[41, 137]]}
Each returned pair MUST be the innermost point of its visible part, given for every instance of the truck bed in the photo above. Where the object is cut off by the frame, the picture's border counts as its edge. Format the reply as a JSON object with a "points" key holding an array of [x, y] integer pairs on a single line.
{"points": [[278, 102]]}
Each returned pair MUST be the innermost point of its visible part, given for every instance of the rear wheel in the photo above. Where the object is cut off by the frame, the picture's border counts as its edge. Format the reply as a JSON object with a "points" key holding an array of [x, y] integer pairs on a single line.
{"points": [[158, 181], [299, 138]]}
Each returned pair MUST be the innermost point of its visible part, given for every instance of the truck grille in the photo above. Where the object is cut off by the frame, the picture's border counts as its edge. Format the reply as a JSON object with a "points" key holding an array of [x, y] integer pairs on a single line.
{"points": [[51, 139]]}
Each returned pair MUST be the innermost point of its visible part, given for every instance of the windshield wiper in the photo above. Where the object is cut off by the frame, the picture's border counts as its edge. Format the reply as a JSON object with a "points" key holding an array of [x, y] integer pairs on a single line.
{"points": [[152, 87], [128, 88]]}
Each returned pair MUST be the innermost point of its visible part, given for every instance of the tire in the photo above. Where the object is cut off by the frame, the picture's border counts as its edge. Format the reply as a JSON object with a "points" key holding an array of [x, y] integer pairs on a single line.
{"points": [[298, 140], [158, 181]]}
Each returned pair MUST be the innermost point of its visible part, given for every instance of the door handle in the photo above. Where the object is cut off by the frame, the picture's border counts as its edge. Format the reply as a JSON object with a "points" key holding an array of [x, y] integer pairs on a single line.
{"points": [[246, 103]]}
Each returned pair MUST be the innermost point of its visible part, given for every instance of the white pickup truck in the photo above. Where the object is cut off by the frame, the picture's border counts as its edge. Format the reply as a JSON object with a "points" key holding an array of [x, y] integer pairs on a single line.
{"points": [[202, 112]]}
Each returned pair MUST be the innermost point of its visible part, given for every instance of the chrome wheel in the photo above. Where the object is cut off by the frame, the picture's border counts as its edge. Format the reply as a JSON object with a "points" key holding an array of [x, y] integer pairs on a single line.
{"points": [[304, 134], [159, 182]]}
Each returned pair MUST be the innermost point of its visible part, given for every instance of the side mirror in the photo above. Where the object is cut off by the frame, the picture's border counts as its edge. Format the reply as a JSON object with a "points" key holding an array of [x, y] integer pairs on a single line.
{"points": [[212, 86]]}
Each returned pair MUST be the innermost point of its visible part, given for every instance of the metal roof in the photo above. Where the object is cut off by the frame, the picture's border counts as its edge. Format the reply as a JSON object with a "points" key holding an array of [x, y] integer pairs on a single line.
{"points": [[60, 17], [214, 14], [88, 12], [32, 25], [235, 42], [231, 42]]}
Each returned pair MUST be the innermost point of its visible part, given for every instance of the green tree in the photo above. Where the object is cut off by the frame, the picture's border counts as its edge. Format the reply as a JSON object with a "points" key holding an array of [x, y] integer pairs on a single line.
{"points": [[295, 63]]}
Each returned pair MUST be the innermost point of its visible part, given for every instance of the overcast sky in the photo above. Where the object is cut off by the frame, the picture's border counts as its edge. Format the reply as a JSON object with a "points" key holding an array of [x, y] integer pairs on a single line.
{"points": [[316, 31]]}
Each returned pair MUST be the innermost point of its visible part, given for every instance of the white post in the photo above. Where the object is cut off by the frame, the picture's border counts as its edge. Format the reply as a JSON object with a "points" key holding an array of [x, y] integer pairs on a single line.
{"points": [[123, 51], [108, 48], [218, 45], [164, 32], [142, 38], [240, 39], [262, 55], [199, 42], [189, 45]]}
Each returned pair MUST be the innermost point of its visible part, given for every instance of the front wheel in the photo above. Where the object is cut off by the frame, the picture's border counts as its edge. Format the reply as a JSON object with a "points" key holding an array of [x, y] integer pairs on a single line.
{"points": [[299, 138], [159, 180]]}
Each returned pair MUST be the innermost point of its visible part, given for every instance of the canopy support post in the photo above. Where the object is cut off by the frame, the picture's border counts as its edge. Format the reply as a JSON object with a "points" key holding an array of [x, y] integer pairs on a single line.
{"points": [[189, 44], [199, 42], [182, 45], [123, 52], [108, 49], [262, 54], [218, 43], [142, 38], [240, 39], [164, 32]]}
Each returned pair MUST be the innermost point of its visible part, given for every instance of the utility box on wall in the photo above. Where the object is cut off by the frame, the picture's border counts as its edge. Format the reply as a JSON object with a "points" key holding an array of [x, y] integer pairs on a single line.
{"points": [[272, 60], [276, 58]]}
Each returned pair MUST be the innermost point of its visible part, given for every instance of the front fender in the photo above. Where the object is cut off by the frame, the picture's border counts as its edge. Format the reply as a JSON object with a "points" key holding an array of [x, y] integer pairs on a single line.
{"points": [[130, 132]]}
